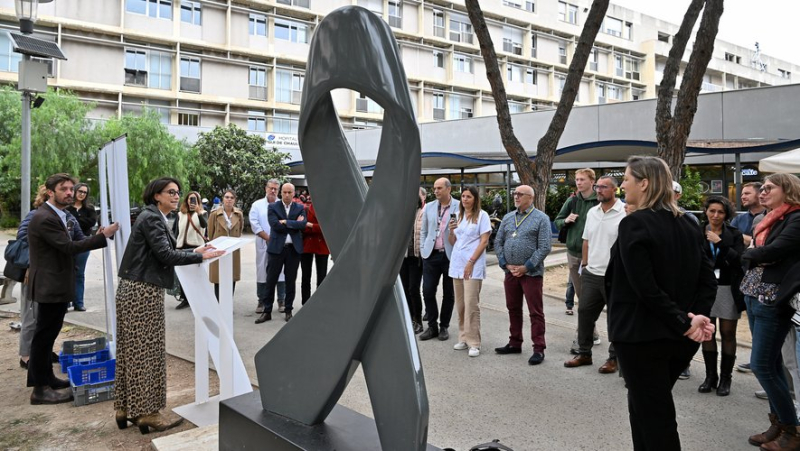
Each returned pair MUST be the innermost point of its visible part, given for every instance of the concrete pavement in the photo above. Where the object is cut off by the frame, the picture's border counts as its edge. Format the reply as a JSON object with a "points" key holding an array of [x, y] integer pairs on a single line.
{"points": [[475, 400]]}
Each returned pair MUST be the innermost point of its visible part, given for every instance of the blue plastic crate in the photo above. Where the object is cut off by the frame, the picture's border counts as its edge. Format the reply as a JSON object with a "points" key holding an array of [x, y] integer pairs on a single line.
{"points": [[93, 383], [67, 361]]}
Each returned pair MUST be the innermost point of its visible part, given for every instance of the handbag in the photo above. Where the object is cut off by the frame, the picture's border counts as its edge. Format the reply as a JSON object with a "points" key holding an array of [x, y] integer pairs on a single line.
{"points": [[562, 234], [14, 272], [17, 253]]}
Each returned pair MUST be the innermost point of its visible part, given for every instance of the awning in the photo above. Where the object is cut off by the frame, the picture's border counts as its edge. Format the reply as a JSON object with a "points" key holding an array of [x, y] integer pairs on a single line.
{"points": [[788, 161]]}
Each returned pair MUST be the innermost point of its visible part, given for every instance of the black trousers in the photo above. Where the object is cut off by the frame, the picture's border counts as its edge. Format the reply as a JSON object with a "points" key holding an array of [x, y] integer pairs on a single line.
{"points": [[434, 267], [288, 261], [650, 370], [49, 319], [593, 299], [306, 260], [411, 277], [216, 290]]}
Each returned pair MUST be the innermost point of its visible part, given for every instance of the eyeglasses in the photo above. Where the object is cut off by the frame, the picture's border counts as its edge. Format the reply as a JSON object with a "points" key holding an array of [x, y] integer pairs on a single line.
{"points": [[766, 189], [516, 194], [600, 187], [172, 192], [83, 191]]}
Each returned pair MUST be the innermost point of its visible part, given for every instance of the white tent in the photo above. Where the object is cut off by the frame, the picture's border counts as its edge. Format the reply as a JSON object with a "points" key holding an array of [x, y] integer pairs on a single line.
{"points": [[788, 161]]}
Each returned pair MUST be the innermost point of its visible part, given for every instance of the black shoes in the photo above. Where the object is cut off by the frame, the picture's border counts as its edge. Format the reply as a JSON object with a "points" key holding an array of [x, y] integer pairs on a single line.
{"points": [[79, 309], [288, 316], [508, 349], [724, 388], [57, 384], [443, 334], [429, 333], [23, 364], [710, 383], [417, 327], [184, 303], [266, 316], [54, 357], [46, 395], [536, 358]]}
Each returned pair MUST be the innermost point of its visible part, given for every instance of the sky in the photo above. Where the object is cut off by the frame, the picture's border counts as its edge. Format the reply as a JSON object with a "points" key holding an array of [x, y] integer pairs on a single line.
{"points": [[771, 23]]}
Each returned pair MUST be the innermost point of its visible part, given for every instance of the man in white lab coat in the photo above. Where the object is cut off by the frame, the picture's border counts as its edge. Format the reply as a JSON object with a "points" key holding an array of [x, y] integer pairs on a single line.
{"points": [[260, 227]]}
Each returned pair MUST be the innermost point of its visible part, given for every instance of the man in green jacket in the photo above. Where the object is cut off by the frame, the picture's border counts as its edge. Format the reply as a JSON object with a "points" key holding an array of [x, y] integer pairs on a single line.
{"points": [[573, 217]]}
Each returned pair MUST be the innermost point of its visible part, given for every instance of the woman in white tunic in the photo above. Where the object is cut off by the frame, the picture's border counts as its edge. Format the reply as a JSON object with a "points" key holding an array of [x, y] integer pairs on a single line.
{"points": [[470, 236]]}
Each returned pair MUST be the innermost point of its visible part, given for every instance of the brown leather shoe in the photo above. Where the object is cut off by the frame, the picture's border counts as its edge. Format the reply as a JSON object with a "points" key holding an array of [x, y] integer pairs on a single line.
{"points": [[789, 440], [579, 360], [156, 421], [769, 435], [46, 395], [57, 384], [609, 367], [266, 316], [122, 419]]}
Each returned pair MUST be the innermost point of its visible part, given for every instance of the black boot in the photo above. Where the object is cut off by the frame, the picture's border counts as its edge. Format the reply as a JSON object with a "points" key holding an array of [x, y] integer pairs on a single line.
{"points": [[712, 378], [725, 370]]}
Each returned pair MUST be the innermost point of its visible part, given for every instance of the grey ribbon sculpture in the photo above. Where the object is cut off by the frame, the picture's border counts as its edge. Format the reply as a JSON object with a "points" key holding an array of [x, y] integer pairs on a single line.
{"points": [[358, 314]]}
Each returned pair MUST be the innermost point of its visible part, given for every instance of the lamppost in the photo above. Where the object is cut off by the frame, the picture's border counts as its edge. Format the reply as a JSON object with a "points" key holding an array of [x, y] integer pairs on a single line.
{"points": [[32, 79]]}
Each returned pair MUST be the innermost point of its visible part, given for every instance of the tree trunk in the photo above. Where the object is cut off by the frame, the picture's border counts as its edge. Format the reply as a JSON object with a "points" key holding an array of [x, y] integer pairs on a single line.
{"points": [[672, 130], [536, 174]]}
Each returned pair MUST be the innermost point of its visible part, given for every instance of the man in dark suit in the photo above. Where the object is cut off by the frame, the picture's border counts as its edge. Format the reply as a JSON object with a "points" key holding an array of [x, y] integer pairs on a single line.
{"points": [[51, 281], [285, 246]]}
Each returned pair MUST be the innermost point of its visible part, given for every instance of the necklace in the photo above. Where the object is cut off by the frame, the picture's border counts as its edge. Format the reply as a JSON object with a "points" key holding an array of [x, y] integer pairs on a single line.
{"points": [[519, 223]]}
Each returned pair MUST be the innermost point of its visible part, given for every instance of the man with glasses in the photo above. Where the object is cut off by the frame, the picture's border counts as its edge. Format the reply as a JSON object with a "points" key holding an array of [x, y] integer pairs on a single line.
{"points": [[259, 222], [435, 249], [523, 241], [600, 233], [573, 217]]}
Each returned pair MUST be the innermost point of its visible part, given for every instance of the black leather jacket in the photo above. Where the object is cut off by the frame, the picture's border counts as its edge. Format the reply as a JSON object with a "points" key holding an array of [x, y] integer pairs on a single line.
{"points": [[150, 254]]}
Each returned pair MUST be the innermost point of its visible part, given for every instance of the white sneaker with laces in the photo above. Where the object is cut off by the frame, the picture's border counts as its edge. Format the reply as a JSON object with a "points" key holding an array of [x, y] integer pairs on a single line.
{"points": [[460, 346], [474, 352]]}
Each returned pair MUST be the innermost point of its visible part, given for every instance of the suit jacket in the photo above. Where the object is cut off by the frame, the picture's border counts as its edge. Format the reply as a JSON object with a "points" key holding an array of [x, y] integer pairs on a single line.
{"points": [[52, 273], [729, 261], [279, 232], [658, 273], [430, 220]]}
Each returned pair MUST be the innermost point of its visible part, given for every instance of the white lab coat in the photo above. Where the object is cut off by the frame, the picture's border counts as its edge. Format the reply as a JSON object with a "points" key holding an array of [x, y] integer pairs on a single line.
{"points": [[258, 222]]}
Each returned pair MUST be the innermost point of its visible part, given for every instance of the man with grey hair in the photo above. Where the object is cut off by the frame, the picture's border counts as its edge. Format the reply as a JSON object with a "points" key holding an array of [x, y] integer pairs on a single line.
{"points": [[599, 234], [260, 226], [523, 241], [435, 249]]}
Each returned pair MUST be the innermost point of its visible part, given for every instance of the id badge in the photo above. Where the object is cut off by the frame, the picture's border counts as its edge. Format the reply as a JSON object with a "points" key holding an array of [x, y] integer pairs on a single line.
{"points": [[716, 273]]}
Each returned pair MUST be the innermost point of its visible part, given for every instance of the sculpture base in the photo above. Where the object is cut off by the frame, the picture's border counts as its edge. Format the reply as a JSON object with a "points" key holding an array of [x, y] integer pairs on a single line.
{"points": [[244, 424]]}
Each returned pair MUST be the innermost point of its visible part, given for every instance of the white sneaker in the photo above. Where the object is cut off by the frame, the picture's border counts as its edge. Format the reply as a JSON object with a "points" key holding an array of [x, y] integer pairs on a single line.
{"points": [[460, 346], [596, 340], [474, 352]]}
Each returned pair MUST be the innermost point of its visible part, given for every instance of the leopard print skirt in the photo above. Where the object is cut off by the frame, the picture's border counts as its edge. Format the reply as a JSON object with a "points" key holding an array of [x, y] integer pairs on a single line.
{"points": [[141, 379]]}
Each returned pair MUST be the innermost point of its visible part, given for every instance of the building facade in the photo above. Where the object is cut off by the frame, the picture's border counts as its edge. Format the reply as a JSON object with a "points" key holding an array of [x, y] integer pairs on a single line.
{"points": [[204, 63]]}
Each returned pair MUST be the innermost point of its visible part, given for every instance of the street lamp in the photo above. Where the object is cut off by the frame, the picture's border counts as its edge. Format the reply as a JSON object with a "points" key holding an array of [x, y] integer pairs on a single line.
{"points": [[26, 13]]}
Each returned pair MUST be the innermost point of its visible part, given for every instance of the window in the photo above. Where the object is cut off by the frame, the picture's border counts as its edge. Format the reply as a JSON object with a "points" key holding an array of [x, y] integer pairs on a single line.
{"points": [[512, 40], [612, 26], [636, 94], [784, 73], [460, 29], [561, 80], [360, 124], [366, 105], [288, 87], [562, 54], [460, 107], [258, 83], [161, 9], [256, 121], [189, 114], [191, 12], [567, 13], [160, 70], [529, 6], [514, 73], [438, 59], [514, 107], [9, 60], [614, 92], [396, 13], [530, 76], [533, 46], [618, 66], [291, 31], [628, 32], [376, 6], [190, 74], [438, 23], [733, 58], [593, 60], [285, 123], [135, 67], [631, 69], [601, 93], [258, 25], [462, 63], [162, 108], [438, 106], [298, 3], [663, 37]]}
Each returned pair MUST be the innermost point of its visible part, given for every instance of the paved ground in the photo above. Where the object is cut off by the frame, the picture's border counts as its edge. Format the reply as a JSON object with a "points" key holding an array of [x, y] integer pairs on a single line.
{"points": [[474, 400]]}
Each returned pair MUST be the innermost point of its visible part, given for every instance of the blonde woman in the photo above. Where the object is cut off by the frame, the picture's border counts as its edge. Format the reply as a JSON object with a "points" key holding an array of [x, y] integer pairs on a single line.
{"points": [[226, 221], [469, 236]]}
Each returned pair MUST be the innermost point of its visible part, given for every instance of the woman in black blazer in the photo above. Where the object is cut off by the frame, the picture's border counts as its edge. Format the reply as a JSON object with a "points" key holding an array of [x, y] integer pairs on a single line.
{"points": [[724, 246], [776, 250], [661, 290]]}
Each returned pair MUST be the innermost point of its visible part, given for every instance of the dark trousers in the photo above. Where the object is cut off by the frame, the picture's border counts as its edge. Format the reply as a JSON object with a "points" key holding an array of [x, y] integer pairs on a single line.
{"points": [[261, 292], [651, 369], [49, 319], [216, 290], [306, 260], [434, 267], [531, 288], [411, 277], [592, 302], [288, 261]]}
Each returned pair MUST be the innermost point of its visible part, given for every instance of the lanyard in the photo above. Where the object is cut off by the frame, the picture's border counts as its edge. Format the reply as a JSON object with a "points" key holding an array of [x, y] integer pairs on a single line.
{"points": [[440, 212], [519, 223], [714, 250]]}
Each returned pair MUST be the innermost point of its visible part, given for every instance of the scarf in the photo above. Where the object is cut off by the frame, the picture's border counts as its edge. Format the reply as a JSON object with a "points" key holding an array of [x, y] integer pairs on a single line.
{"points": [[765, 226]]}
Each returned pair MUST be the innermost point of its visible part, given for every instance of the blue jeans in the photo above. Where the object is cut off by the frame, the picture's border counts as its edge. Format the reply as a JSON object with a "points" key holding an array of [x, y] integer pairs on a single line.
{"points": [[261, 292], [80, 277], [569, 298], [769, 326]]}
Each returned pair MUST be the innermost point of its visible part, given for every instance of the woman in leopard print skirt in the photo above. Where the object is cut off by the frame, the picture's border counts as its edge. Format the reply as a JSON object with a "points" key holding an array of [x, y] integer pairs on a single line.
{"points": [[146, 270]]}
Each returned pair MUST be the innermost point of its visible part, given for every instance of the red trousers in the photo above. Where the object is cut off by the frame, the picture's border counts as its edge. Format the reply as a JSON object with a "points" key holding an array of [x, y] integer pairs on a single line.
{"points": [[531, 288]]}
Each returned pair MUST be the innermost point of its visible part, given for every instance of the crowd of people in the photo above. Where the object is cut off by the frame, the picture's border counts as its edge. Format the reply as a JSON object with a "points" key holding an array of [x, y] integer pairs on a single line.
{"points": [[668, 281]]}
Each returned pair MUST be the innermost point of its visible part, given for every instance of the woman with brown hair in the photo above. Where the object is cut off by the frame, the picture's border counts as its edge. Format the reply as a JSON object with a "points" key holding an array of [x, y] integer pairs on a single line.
{"points": [[469, 235], [84, 212], [775, 250], [190, 230], [226, 221]]}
